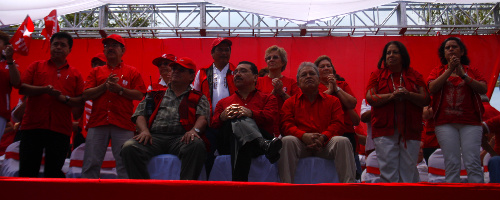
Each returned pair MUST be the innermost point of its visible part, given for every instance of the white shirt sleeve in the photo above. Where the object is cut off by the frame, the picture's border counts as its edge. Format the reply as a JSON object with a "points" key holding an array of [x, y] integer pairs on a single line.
{"points": [[364, 107], [196, 83]]}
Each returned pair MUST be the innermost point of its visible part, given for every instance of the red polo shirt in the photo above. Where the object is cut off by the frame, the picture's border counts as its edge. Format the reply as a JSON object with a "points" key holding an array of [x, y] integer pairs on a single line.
{"points": [[324, 115], [44, 111], [5, 89], [264, 108], [111, 108], [348, 125]]}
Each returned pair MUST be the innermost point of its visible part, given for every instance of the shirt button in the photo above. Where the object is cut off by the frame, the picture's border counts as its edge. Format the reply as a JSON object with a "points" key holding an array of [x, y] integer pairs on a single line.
{"points": [[109, 110]]}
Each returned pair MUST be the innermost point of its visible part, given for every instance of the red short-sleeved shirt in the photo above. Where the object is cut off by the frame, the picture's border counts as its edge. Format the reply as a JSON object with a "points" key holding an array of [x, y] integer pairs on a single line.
{"points": [[457, 99], [324, 115], [111, 108], [5, 90], [44, 111], [348, 125]]}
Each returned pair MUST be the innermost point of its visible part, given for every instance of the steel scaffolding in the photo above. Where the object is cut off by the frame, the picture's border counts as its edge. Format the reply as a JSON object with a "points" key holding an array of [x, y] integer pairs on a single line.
{"points": [[208, 20]]}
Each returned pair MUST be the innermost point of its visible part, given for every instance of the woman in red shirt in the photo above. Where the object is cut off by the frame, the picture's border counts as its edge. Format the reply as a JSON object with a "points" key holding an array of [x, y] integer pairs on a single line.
{"points": [[333, 84], [455, 88], [275, 83], [397, 94]]}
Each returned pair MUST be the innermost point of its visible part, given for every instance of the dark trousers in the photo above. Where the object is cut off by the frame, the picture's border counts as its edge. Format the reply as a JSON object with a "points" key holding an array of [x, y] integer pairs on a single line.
{"points": [[136, 156], [33, 142], [237, 138], [352, 139]]}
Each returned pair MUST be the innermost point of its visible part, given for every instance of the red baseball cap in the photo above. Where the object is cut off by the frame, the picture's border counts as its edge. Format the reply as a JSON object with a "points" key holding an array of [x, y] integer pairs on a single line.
{"points": [[100, 56], [186, 63], [114, 37], [217, 41], [171, 57]]}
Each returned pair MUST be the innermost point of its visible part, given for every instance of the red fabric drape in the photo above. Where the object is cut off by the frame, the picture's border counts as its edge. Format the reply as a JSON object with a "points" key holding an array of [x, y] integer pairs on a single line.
{"points": [[354, 58]]}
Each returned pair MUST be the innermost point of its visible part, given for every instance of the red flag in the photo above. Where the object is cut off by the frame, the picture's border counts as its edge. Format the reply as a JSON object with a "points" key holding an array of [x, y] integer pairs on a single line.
{"points": [[51, 24], [21, 39]]}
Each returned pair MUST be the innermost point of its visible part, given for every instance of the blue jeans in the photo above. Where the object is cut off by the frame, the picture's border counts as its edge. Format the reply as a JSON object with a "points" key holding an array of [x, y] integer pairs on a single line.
{"points": [[494, 169]]}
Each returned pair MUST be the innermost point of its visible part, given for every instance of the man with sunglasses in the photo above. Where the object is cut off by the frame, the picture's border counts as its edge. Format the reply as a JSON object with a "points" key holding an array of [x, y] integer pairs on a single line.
{"points": [[175, 127], [112, 87]]}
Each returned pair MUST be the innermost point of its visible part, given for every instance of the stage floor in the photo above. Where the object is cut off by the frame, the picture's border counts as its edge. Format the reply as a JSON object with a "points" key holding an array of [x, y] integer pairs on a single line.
{"points": [[86, 189]]}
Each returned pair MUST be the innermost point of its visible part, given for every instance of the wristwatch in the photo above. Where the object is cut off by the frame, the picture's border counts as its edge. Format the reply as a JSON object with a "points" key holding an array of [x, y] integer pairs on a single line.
{"points": [[464, 76], [67, 99], [196, 130]]}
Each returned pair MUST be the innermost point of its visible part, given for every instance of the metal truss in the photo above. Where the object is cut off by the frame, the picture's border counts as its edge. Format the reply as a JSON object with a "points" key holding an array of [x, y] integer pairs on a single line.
{"points": [[208, 20]]}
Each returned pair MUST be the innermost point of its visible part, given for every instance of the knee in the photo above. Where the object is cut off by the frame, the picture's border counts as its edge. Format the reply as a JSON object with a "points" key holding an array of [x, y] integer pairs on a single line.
{"points": [[129, 148], [197, 145]]}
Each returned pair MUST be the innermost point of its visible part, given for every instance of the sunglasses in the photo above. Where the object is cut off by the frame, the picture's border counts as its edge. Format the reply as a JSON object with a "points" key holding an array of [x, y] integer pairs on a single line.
{"points": [[275, 57]]}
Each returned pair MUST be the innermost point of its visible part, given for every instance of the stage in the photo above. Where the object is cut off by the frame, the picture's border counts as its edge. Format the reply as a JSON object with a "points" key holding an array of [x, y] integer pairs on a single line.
{"points": [[86, 189]]}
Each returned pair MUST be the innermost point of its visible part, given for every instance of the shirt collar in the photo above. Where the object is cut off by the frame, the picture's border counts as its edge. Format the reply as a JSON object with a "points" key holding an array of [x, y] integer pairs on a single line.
{"points": [[252, 93], [117, 67], [223, 71], [320, 95], [66, 65]]}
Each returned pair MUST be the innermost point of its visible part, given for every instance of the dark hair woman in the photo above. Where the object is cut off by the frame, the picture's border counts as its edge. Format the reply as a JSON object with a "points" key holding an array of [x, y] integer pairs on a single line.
{"points": [[456, 88], [397, 94]]}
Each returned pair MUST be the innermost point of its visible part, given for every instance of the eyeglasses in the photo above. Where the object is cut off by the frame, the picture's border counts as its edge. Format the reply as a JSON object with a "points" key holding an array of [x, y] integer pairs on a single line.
{"points": [[275, 57], [114, 45]]}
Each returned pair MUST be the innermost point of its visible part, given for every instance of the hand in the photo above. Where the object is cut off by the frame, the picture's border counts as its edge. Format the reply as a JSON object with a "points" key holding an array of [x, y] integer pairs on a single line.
{"points": [[454, 62], [278, 87], [401, 93], [144, 137], [229, 113], [189, 136], [114, 87], [112, 78], [459, 70], [332, 82], [314, 141], [51, 91], [244, 112], [8, 52]]}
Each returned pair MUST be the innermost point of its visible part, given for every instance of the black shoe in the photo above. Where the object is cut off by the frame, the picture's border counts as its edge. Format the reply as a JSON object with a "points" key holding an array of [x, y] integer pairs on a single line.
{"points": [[272, 149]]}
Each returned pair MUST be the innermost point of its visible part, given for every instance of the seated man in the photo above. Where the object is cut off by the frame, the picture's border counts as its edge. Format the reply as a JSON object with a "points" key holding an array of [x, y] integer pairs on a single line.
{"points": [[245, 120], [175, 127], [312, 124], [491, 129]]}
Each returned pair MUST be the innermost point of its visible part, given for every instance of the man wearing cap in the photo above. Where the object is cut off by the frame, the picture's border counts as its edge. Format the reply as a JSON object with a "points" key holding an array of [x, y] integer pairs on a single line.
{"points": [[163, 64], [112, 87], [175, 127], [246, 118], [215, 81], [53, 88]]}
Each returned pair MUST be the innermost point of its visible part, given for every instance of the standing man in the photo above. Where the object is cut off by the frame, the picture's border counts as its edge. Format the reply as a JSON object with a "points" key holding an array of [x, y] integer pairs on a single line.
{"points": [[175, 127], [215, 81], [312, 124], [9, 77], [246, 122], [112, 87], [53, 87]]}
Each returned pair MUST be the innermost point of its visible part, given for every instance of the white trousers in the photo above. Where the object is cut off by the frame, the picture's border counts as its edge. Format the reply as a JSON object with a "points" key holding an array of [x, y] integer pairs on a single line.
{"points": [[461, 140], [96, 145], [397, 163]]}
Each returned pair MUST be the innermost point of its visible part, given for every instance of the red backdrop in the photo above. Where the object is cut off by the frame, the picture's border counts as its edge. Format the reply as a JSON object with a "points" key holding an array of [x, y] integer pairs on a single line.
{"points": [[354, 58]]}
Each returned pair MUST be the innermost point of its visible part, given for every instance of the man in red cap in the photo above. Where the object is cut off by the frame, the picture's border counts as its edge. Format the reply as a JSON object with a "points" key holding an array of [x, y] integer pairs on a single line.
{"points": [[98, 60], [53, 88], [175, 127], [112, 87], [163, 64], [215, 81]]}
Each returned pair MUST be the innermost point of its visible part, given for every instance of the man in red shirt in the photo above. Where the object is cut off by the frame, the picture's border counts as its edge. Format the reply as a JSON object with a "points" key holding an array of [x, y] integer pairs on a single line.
{"points": [[247, 117], [163, 64], [312, 124], [112, 88], [53, 87], [9, 77]]}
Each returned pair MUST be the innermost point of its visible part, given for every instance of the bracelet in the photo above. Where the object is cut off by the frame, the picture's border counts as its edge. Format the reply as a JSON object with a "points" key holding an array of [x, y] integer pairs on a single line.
{"points": [[67, 99], [11, 63], [464, 76]]}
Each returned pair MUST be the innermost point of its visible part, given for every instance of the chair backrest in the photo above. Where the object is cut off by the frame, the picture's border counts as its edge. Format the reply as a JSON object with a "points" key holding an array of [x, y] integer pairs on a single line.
{"points": [[76, 159]]}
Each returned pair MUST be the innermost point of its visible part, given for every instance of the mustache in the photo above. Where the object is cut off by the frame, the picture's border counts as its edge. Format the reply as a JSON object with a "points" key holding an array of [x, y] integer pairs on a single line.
{"points": [[238, 78]]}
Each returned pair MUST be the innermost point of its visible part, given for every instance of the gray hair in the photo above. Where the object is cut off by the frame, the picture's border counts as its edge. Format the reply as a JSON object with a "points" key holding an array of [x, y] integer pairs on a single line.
{"points": [[307, 64]]}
